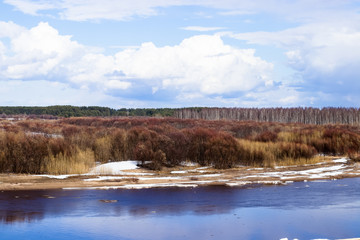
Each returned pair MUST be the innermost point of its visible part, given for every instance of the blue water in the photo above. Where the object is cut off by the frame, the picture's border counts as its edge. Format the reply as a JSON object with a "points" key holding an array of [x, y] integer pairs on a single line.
{"points": [[304, 210]]}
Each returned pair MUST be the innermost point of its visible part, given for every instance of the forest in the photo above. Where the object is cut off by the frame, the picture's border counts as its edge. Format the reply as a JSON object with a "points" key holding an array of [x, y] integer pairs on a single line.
{"points": [[91, 111], [329, 115], [74, 145]]}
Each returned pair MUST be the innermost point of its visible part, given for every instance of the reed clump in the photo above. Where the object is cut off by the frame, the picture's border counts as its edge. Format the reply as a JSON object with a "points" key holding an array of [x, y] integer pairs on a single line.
{"points": [[80, 162]]}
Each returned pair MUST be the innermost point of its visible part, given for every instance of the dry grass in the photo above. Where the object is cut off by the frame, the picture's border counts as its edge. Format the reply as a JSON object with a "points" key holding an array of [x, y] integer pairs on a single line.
{"points": [[270, 154], [301, 161], [79, 163]]}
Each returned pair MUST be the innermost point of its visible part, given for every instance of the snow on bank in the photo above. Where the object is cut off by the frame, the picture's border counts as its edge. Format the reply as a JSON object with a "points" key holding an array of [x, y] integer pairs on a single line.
{"points": [[114, 168], [189, 164], [341, 160], [122, 170], [178, 172], [57, 176], [104, 178], [322, 172], [136, 186]]}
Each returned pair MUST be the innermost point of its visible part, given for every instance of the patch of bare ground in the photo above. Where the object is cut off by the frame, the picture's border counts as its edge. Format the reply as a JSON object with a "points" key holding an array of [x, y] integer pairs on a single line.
{"points": [[187, 176]]}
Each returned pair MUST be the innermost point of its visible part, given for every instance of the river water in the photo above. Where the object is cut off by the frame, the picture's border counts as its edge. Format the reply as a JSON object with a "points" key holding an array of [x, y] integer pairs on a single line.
{"points": [[303, 210]]}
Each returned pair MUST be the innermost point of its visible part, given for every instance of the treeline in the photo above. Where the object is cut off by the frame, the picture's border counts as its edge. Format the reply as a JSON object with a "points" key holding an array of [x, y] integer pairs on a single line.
{"points": [[307, 115], [317, 116], [73, 145], [93, 111]]}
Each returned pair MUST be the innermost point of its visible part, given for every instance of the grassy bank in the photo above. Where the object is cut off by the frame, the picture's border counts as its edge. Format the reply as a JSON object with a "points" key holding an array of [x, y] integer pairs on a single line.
{"points": [[73, 145]]}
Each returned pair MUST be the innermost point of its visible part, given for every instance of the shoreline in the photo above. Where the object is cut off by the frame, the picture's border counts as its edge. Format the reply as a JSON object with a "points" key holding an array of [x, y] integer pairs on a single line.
{"points": [[183, 176]]}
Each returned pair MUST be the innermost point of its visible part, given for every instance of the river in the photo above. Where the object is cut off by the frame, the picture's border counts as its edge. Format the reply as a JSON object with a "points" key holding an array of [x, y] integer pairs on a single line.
{"points": [[302, 210]]}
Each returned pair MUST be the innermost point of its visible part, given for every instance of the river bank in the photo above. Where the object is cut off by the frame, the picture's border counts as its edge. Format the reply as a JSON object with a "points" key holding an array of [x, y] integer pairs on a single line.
{"points": [[128, 175]]}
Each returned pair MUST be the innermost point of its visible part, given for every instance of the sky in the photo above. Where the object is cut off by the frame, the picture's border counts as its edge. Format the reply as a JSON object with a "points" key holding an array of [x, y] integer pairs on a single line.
{"points": [[180, 53]]}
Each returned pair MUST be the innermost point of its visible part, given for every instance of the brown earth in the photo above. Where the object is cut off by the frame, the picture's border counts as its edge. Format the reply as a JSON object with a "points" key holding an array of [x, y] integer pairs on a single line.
{"points": [[186, 177]]}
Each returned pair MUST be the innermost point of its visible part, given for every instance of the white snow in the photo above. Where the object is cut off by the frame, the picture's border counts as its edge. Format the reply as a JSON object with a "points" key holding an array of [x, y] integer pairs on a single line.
{"points": [[137, 186], [160, 178], [114, 168], [241, 183], [57, 176], [189, 164], [341, 160], [104, 178], [178, 172], [201, 168], [251, 169], [206, 175], [322, 172], [136, 173]]}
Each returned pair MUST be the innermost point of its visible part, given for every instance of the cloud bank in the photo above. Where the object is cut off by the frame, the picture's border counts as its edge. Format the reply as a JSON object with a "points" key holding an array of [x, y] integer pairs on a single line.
{"points": [[319, 41], [200, 67]]}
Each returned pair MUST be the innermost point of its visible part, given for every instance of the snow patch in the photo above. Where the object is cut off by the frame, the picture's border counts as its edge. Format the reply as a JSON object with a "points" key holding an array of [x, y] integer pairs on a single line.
{"points": [[206, 175], [341, 160], [178, 172], [114, 168], [189, 164], [104, 178], [160, 178], [57, 176], [242, 183]]}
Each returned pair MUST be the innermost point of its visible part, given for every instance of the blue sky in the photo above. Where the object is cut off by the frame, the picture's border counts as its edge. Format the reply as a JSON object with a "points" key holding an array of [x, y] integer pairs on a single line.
{"points": [[180, 53]]}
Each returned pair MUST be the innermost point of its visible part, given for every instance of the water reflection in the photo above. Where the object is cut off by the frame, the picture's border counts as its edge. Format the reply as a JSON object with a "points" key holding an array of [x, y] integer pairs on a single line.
{"points": [[9, 217], [313, 210], [28, 206]]}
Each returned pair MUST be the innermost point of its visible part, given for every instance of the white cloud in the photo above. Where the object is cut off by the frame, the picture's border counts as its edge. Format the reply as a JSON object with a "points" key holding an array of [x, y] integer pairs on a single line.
{"points": [[42, 53], [319, 51], [39, 51], [32, 7], [117, 84], [201, 29], [200, 64], [82, 10], [10, 29]]}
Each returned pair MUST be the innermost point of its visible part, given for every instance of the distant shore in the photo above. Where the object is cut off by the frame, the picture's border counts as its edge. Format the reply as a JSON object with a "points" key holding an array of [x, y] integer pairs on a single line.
{"points": [[110, 176]]}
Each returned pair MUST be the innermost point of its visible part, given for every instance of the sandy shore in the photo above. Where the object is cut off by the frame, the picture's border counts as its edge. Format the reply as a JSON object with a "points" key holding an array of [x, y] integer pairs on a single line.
{"points": [[184, 176]]}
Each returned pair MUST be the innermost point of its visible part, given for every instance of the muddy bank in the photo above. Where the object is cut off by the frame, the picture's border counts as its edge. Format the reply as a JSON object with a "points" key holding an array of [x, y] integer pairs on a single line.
{"points": [[133, 177]]}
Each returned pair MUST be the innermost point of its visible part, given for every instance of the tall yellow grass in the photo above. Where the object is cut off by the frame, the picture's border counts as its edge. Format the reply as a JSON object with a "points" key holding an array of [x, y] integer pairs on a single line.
{"points": [[271, 154], [79, 163]]}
